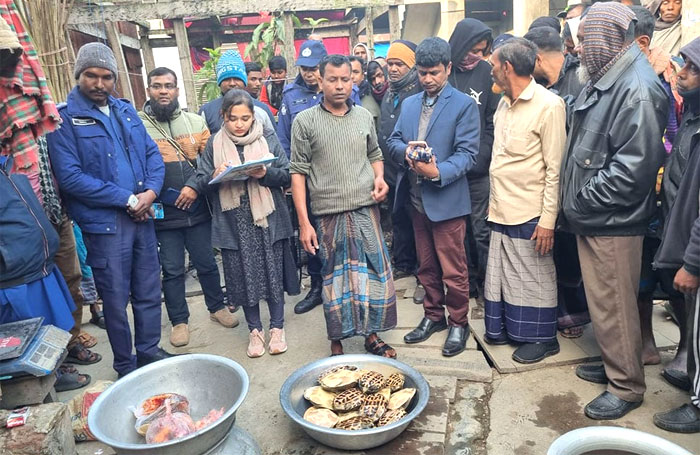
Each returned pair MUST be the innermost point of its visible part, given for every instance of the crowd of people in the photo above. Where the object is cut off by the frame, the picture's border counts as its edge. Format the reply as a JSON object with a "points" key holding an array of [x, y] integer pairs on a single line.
{"points": [[554, 177]]}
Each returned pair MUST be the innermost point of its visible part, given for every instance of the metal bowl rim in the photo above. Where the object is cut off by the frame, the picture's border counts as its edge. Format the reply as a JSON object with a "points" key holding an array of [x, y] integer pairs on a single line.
{"points": [[100, 436], [294, 377]]}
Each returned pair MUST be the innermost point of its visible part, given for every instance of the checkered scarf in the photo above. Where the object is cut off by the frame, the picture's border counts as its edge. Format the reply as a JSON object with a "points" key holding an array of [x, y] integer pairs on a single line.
{"points": [[27, 110], [604, 30]]}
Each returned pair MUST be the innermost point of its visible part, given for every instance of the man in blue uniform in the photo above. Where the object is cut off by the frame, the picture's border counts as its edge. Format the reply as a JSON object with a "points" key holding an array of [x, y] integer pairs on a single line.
{"points": [[110, 171]]}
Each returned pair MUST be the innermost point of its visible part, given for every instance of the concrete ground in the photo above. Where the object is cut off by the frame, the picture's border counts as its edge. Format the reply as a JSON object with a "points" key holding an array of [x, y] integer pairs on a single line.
{"points": [[473, 410]]}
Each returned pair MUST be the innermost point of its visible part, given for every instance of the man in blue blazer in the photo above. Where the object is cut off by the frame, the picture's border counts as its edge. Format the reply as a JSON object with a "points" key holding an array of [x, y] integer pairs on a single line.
{"points": [[437, 191]]}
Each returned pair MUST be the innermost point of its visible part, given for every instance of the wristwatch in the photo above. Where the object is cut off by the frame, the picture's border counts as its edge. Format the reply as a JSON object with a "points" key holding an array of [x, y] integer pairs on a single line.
{"points": [[436, 178], [133, 201]]}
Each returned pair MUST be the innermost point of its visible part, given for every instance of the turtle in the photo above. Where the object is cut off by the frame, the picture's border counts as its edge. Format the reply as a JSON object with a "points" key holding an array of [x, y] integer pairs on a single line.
{"points": [[401, 399], [340, 380], [391, 416], [374, 406], [348, 400], [355, 423], [395, 382], [321, 416], [371, 382], [319, 397], [334, 369]]}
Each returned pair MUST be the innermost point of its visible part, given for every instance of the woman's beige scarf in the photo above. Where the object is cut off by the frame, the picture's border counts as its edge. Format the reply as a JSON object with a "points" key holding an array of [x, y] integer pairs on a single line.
{"points": [[254, 148]]}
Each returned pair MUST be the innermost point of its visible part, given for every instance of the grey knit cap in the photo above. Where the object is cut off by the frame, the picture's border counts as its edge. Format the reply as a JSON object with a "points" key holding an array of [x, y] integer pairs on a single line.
{"points": [[95, 55]]}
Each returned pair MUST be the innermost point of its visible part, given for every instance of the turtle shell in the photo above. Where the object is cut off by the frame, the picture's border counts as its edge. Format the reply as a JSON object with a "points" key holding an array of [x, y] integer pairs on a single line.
{"points": [[348, 400], [334, 369], [371, 382], [401, 399], [321, 417], [339, 380], [319, 397], [355, 423], [386, 393], [374, 406], [343, 416], [391, 416], [395, 382]]}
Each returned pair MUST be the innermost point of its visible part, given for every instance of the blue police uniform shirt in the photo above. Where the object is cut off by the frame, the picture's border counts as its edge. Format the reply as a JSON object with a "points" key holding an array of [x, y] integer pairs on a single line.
{"points": [[125, 173]]}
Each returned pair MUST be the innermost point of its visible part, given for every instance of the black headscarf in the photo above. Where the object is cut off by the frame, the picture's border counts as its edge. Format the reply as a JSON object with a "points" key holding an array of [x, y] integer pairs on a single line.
{"points": [[467, 33]]}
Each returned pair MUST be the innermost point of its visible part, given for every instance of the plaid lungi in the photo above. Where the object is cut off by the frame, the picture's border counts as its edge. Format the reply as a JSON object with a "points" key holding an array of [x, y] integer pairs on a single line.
{"points": [[520, 286], [358, 286]]}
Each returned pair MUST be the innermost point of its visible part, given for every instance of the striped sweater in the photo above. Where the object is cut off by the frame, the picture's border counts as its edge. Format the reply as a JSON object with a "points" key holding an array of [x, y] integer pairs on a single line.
{"points": [[336, 154]]}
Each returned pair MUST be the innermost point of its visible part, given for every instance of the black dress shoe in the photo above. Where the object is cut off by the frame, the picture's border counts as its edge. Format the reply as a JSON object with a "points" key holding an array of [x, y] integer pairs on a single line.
{"points": [[401, 273], [145, 359], [419, 295], [456, 341], [676, 378], [609, 407], [592, 373], [424, 330], [685, 419], [535, 352], [312, 299]]}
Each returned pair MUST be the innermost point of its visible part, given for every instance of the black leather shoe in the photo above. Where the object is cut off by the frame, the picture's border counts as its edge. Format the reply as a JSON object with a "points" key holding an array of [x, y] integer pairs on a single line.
{"points": [[456, 341], [535, 352], [592, 373], [312, 299], [424, 330], [609, 407], [685, 419], [419, 295], [676, 378], [145, 359]]}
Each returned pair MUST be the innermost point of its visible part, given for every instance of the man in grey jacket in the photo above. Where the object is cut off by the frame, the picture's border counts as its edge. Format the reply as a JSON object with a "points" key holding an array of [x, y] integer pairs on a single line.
{"points": [[607, 195]]}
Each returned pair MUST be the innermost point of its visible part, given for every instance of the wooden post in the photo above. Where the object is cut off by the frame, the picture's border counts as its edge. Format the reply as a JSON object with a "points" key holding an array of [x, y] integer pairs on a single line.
{"points": [[147, 52], [369, 15], [123, 79], [353, 37], [394, 23], [183, 49], [289, 51], [216, 39]]}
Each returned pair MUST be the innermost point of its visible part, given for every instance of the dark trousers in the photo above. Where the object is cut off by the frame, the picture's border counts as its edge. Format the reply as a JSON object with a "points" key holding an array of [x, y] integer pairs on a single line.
{"points": [[478, 233], [443, 263], [314, 263], [693, 307], [125, 266], [403, 248], [252, 316], [197, 240]]}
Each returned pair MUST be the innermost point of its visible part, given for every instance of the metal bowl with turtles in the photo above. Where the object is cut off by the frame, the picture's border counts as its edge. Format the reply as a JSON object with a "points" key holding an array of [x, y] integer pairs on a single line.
{"points": [[208, 381], [357, 401]]}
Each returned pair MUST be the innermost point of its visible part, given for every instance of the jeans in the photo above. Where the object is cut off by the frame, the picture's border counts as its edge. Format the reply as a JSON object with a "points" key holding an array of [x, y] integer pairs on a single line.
{"points": [[252, 316], [197, 240]]}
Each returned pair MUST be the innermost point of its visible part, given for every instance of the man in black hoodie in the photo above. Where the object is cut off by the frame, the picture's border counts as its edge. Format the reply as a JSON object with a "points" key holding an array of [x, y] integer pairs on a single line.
{"points": [[471, 75], [679, 251], [403, 82]]}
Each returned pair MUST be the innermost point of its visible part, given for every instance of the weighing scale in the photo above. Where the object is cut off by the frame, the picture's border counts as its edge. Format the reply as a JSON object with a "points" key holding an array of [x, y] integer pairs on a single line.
{"points": [[29, 355]]}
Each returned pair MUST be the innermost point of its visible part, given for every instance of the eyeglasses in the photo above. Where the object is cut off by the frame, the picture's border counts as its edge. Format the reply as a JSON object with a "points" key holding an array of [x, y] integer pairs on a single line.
{"points": [[166, 87]]}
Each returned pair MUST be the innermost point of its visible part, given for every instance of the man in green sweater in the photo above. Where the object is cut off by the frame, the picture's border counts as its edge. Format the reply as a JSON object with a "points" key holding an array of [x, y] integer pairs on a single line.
{"points": [[335, 154]]}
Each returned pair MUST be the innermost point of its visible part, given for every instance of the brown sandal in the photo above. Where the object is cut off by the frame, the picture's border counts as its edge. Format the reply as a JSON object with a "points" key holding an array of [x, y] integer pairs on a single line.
{"points": [[80, 355], [87, 340]]}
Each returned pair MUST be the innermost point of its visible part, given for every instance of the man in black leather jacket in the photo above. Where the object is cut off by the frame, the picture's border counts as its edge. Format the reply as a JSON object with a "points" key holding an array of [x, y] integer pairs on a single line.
{"points": [[607, 194]]}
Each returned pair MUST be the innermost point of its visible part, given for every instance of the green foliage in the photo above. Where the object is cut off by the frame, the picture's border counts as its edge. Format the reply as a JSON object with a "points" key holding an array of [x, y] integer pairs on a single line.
{"points": [[271, 36], [314, 22], [209, 89]]}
